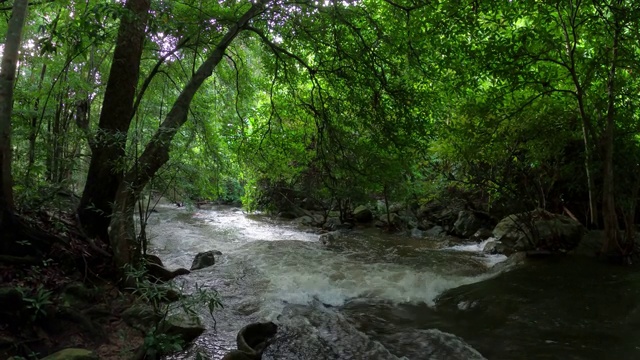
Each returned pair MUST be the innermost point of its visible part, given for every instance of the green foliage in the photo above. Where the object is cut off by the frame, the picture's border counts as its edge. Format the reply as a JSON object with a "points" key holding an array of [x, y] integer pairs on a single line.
{"points": [[37, 299], [157, 341], [343, 102]]}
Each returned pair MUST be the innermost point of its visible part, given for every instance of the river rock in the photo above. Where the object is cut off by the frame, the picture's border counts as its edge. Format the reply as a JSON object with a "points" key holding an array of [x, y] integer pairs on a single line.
{"points": [[425, 224], [290, 215], [329, 238], [591, 244], [417, 233], [481, 235], [252, 340], [185, 327], [332, 223], [490, 247], [305, 220], [436, 231], [72, 354], [394, 220], [466, 224], [538, 229], [140, 316], [362, 214], [204, 259], [440, 213]]}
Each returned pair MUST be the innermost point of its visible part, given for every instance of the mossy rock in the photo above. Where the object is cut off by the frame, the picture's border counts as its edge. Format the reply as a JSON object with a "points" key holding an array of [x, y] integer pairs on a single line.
{"points": [[72, 354], [140, 316], [79, 293], [184, 326]]}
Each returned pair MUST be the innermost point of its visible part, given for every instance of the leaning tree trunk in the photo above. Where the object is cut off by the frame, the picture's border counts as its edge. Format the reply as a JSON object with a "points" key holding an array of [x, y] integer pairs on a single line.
{"points": [[108, 149], [122, 230], [7, 78]]}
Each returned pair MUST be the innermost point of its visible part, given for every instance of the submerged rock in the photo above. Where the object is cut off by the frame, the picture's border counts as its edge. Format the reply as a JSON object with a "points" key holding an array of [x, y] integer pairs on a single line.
{"points": [[204, 259]]}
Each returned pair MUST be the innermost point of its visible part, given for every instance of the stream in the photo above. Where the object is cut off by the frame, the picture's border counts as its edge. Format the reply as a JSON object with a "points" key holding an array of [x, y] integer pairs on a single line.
{"points": [[380, 296]]}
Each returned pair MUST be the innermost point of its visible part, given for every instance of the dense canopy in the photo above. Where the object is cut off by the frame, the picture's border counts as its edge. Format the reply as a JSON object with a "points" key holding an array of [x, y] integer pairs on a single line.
{"points": [[517, 105]]}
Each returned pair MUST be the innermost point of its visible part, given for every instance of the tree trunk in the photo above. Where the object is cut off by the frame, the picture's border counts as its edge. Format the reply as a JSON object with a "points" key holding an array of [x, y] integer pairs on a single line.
{"points": [[609, 215], [156, 153], [33, 125], [108, 150], [588, 132], [7, 77]]}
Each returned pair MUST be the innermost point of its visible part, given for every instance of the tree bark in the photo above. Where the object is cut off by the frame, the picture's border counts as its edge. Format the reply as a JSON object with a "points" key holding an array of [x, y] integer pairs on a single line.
{"points": [[108, 150], [7, 78], [588, 132], [122, 234], [609, 215]]}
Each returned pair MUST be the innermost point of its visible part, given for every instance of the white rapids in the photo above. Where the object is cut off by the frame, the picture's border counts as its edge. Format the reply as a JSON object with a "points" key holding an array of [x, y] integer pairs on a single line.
{"points": [[278, 271]]}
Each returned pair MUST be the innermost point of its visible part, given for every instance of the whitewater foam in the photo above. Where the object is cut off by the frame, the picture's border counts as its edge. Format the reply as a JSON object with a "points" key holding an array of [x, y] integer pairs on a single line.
{"points": [[300, 272], [489, 259]]}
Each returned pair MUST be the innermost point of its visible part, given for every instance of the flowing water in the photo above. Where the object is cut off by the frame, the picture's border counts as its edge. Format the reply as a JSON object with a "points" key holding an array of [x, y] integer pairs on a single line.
{"points": [[376, 296]]}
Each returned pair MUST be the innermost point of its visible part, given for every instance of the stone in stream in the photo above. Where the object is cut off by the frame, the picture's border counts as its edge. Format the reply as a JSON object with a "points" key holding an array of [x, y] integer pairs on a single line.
{"points": [[467, 224], [538, 230], [184, 326], [157, 272], [481, 235], [204, 259], [436, 231], [362, 214], [252, 340]]}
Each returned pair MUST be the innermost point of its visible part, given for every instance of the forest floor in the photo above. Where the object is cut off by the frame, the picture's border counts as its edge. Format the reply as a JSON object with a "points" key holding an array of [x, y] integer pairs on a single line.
{"points": [[64, 297]]}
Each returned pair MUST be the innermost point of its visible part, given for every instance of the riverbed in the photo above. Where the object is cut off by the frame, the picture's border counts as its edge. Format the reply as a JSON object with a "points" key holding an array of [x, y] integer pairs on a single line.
{"points": [[380, 296]]}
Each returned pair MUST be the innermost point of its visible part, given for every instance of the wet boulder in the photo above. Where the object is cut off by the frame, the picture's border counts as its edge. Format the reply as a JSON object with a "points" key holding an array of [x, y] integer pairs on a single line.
{"points": [[436, 231], [393, 220], [491, 247], [538, 230], [329, 239], [591, 244], [140, 316], [289, 215], [204, 259], [184, 326], [481, 235], [306, 220], [252, 340], [362, 214], [440, 213], [467, 224], [157, 272], [332, 223]]}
